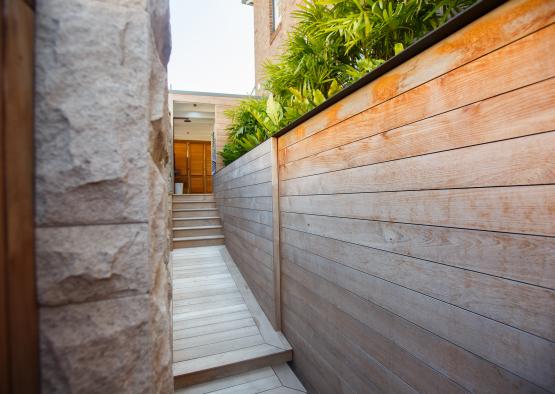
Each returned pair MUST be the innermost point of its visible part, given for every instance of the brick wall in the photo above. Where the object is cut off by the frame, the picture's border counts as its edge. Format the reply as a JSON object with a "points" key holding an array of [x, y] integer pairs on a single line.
{"points": [[269, 43]]}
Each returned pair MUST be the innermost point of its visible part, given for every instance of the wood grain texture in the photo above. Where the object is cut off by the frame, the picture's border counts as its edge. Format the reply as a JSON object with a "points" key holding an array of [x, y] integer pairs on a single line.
{"points": [[218, 334], [496, 254], [19, 350], [415, 220], [514, 303], [276, 253], [278, 379], [518, 209], [510, 22], [244, 196], [521, 161], [526, 111], [347, 310], [492, 340], [498, 72]]}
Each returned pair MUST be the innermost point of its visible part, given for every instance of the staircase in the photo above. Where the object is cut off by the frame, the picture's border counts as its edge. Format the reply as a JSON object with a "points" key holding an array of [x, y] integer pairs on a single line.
{"points": [[196, 221]]}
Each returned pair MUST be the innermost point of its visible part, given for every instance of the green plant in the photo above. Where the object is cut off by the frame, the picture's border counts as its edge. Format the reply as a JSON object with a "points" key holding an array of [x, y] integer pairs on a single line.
{"points": [[334, 43], [252, 122]]}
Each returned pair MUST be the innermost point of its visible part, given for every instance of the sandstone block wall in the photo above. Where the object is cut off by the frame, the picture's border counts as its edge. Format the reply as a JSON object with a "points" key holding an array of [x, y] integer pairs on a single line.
{"points": [[101, 125]]}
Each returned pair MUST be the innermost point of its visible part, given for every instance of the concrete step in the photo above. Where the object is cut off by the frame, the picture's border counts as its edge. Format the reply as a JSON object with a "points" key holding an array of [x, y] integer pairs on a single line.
{"points": [[198, 221], [193, 204], [197, 231], [192, 197], [194, 212], [194, 242]]}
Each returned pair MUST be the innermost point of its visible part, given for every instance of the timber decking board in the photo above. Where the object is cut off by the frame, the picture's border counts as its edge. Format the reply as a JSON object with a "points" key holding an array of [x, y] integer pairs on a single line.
{"points": [[217, 334], [278, 379], [213, 328], [210, 349]]}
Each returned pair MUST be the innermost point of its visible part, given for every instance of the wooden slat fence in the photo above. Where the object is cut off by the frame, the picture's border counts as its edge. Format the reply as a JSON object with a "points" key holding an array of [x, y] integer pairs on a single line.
{"points": [[243, 194], [417, 220]]}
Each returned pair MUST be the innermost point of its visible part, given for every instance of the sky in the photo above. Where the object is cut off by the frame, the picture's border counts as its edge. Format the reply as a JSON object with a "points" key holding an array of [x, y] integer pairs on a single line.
{"points": [[212, 46]]}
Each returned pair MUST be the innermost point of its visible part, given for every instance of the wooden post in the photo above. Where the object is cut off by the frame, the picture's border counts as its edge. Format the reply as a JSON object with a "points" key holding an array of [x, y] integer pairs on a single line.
{"points": [[276, 233], [19, 355]]}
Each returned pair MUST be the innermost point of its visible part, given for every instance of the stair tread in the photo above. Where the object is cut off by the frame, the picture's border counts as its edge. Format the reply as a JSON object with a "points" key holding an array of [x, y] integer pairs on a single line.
{"points": [[195, 202], [275, 379], [193, 209], [198, 218], [222, 360], [197, 227], [198, 238]]}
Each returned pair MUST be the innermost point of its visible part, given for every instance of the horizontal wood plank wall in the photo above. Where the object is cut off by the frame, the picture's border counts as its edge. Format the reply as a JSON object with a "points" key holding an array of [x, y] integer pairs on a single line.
{"points": [[243, 193], [418, 220]]}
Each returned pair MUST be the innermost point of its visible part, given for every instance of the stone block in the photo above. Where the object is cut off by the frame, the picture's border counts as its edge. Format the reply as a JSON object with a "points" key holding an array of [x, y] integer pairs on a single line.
{"points": [[159, 11], [102, 347], [161, 320], [158, 217], [85, 263], [92, 112]]}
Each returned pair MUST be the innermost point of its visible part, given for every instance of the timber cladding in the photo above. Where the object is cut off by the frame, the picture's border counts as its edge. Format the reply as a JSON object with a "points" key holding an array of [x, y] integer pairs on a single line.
{"points": [[243, 194], [417, 220]]}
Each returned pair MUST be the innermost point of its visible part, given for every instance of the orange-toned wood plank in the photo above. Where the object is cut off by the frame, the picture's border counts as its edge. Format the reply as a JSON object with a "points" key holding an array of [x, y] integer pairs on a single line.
{"points": [[521, 209], [484, 337], [519, 305], [499, 72], [521, 112], [493, 253], [521, 161], [513, 20]]}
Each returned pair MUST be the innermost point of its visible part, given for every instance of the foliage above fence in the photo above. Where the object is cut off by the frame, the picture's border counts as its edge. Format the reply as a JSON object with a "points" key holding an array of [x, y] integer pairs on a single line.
{"points": [[334, 43]]}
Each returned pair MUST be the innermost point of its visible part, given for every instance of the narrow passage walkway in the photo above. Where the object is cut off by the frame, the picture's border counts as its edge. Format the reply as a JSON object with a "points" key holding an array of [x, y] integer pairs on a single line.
{"points": [[222, 339]]}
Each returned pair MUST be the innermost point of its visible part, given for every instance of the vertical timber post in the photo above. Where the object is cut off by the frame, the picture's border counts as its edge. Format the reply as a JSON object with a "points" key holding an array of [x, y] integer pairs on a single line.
{"points": [[276, 233], [19, 346]]}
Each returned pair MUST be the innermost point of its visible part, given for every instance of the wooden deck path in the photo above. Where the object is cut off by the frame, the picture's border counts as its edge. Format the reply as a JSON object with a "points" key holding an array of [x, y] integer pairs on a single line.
{"points": [[219, 328], [269, 380]]}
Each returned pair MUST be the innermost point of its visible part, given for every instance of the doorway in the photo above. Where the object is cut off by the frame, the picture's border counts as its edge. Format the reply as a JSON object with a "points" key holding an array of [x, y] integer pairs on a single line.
{"points": [[193, 165]]}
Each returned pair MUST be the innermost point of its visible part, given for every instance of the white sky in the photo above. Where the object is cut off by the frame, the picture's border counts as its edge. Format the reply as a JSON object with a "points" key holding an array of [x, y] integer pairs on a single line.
{"points": [[212, 46]]}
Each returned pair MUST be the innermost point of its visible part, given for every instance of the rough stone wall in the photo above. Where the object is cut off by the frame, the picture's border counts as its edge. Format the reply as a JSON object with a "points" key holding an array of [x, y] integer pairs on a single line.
{"points": [[101, 196], [268, 43]]}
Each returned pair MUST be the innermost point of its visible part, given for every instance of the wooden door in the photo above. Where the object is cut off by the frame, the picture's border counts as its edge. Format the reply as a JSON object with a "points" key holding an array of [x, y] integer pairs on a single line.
{"points": [[193, 166]]}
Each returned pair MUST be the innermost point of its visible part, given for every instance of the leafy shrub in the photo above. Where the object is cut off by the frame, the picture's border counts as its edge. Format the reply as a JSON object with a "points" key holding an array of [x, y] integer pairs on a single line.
{"points": [[334, 43]]}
